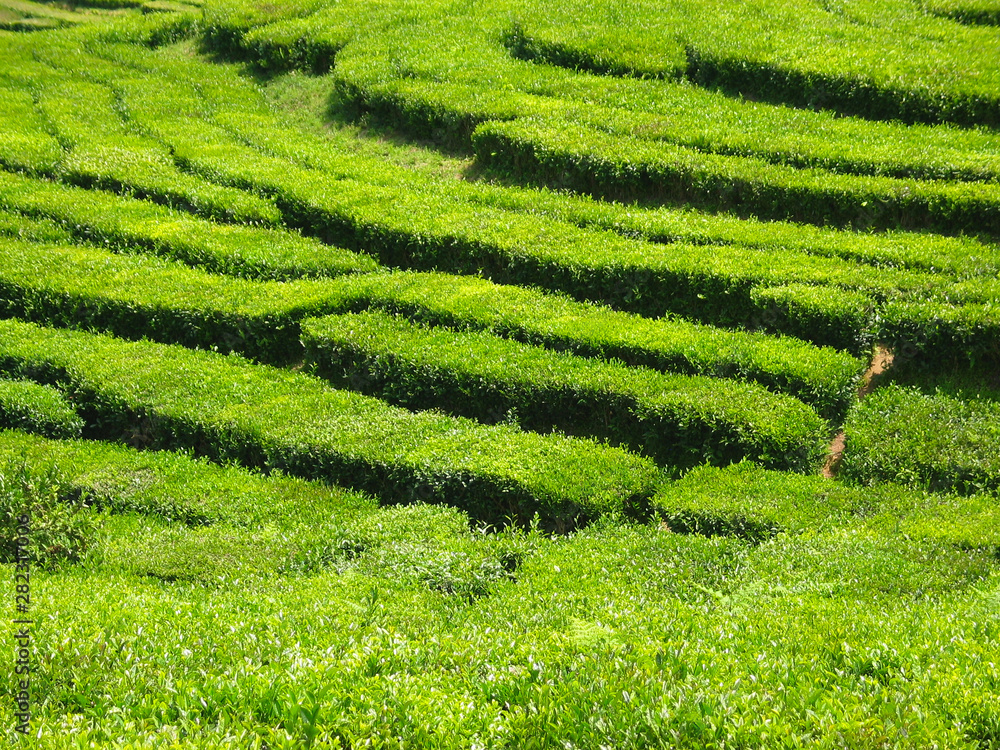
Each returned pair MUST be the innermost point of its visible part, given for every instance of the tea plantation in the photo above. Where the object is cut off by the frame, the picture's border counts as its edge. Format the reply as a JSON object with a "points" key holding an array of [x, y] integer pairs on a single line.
{"points": [[500, 374]]}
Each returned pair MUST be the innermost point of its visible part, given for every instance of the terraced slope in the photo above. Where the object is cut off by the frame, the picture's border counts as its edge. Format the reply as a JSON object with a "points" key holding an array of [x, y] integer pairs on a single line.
{"points": [[384, 373]]}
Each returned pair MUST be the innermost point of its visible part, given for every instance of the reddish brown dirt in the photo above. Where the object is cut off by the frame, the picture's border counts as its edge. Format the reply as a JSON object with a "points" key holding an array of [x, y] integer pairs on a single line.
{"points": [[881, 362]]}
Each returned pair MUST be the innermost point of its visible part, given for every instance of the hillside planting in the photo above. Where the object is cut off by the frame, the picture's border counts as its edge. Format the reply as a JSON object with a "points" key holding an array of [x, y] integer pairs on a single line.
{"points": [[398, 373]]}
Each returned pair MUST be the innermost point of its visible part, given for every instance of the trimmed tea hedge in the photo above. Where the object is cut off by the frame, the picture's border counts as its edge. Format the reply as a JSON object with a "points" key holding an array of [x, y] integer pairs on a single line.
{"points": [[748, 501], [176, 487], [407, 228], [20, 227], [105, 153], [982, 12], [128, 225], [836, 317], [169, 397], [823, 378], [679, 420], [678, 115], [588, 160], [942, 332], [793, 53], [243, 116], [24, 143], [136, 296], [939, 442], [37, 408]]}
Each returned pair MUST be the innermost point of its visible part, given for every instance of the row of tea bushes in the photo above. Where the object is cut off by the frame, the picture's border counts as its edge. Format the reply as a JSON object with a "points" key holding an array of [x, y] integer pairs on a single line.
{"points": [[136, 295], [836, 317], [174, 486], [18, 227], [678, 420], [37, 408], [747, 501], [437, 75], [170, 397], [24, 143], [214, 153], [821, 377], [678, 115], [939, 331], [935, 441], [982, 12], [407, 228], [103, 152], [127, 225], [591, 161], [960, 256], [244, 116], [139, 295], [789, 53], [164, 515]]}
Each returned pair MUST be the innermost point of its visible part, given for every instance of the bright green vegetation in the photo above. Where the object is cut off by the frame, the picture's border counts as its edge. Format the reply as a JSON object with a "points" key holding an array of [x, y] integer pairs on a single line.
{"points": [[171, 397], [985, 12], [678, 420], [287, 525], [434, 374], [138, 295], [831, 56], [591, 161], [393, 621], [129, 225], [823, 378], [943, 332], [935, 441], [42, 523], [37, 408], [747, 501], [26, 15]]}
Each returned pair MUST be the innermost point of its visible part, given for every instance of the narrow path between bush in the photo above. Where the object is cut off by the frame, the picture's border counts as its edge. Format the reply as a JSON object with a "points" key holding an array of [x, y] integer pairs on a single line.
{"points": [[880, 363]]}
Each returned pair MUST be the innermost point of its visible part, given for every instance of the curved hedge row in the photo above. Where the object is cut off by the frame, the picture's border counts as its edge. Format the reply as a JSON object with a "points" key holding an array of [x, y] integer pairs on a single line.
{"points": [[821, 377], [37, 408], [103, 152], [591, 161], [128, 225], [178, 488], [678, 420], [169, 397], [748, 501], [793, 53], [135, 295]]}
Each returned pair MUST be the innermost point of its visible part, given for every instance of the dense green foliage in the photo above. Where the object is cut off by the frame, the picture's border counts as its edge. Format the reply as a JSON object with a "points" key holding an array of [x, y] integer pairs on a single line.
{"points": [[43, 523], [37, 408], [591, 161], [129, 225], [434, 374], [679, 420], [169, 397], [936, 441], [821, 377], [135, 296]]}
